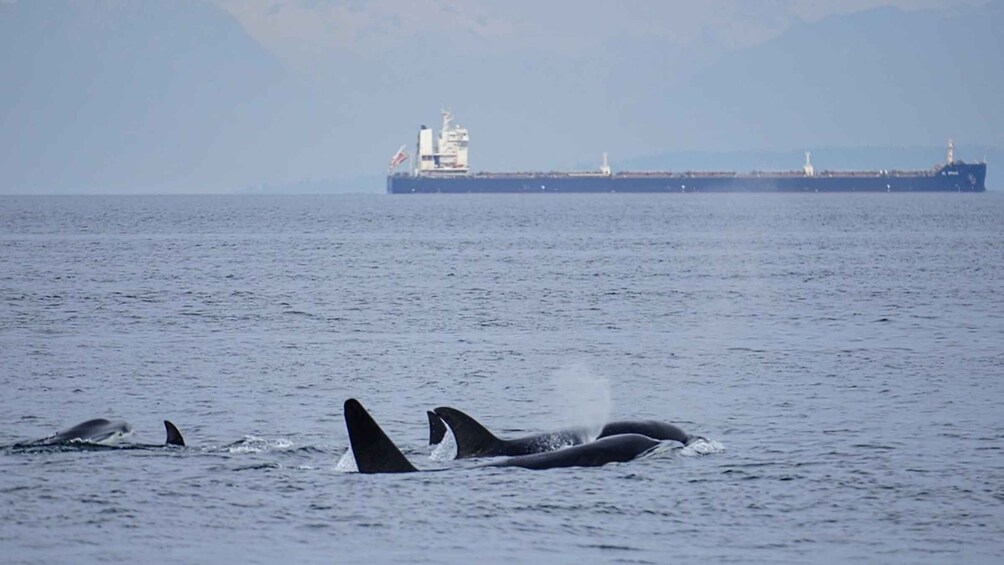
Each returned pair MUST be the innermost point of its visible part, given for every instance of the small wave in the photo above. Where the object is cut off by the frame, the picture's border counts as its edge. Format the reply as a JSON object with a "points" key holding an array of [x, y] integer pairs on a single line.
{"points": [[609, 547], [259, 467], [297, 313], [873, 446]]}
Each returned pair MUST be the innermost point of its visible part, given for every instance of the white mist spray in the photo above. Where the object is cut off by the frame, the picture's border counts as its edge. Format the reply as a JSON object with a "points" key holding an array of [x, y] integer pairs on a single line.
{"points": [[587, 403]]}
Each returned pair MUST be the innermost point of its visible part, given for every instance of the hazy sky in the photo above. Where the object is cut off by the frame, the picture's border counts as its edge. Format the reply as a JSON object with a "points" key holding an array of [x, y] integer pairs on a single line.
{"points": [[220, 95], [304, 32]]}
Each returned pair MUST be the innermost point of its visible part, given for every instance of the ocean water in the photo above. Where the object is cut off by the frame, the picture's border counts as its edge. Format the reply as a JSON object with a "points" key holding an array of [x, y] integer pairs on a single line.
{"points": [[843, 354]]}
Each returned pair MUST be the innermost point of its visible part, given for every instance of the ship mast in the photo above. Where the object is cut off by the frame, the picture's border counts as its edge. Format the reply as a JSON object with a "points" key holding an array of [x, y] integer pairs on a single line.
{"points": [[951, 152]]}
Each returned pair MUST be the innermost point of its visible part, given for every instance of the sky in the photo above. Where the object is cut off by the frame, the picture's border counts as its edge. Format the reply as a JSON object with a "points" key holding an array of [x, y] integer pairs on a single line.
{"points": [[302, 32], [316, 95]]}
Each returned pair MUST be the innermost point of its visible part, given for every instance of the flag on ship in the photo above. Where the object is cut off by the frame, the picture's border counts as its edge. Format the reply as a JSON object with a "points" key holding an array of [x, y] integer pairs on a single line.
{"points": [[397, 159]]}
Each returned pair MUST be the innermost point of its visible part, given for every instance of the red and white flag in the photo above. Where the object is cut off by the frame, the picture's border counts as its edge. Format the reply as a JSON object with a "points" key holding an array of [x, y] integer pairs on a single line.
{"points": [[397, 159]]}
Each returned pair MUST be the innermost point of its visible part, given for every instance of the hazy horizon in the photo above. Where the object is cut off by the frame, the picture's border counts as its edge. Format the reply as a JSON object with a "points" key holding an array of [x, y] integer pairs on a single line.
{"points": [[199, 96]]}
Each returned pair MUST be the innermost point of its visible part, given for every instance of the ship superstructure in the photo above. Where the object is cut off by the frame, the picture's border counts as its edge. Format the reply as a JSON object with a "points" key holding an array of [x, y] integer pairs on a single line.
{"points": [[448, 156], [443, 167]]}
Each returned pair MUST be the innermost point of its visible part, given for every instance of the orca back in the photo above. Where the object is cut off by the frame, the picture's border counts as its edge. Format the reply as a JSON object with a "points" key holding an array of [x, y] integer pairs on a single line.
{"points": [[98, 430], [374, 452], [613, 449], [473, 439], [651, 428]]}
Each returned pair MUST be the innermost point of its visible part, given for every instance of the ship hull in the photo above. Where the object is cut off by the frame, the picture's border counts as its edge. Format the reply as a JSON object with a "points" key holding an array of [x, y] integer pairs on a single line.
{"points": [[955, 177]]}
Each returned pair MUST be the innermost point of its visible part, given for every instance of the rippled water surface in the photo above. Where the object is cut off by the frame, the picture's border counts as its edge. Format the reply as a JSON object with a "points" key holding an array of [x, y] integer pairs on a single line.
{"points": [[843, 353]]}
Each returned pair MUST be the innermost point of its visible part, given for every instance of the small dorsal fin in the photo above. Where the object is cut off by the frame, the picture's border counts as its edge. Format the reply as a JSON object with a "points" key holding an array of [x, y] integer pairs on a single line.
{"points": [[373, 450], [437, 429], [173, 435], [473, 439]]}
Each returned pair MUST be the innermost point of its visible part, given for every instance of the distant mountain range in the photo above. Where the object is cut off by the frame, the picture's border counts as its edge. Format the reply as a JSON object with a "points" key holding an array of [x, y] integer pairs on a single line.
{"points": [[881, 78], [118, 96], [823, 158]]}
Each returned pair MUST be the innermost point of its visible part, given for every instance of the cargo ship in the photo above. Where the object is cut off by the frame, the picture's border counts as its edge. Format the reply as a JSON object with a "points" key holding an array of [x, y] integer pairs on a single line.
{"points": [[443, 167]]}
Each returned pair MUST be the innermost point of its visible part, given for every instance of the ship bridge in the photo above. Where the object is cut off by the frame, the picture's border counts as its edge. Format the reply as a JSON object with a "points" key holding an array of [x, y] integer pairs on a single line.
{"points": [[449, 154]]}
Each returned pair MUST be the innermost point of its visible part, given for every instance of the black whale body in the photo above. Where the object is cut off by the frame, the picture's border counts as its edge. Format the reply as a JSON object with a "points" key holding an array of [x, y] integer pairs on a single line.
{"points": [[611, 449], [437, 428], [374, 452], [474, 440]]}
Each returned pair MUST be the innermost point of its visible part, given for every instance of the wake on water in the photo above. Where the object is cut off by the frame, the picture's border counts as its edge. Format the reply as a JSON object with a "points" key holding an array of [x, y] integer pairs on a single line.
{"points": [[702, 446], [254, 444]]}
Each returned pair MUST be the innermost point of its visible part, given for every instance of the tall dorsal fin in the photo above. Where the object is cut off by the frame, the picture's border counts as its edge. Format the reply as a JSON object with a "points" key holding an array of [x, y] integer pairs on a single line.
{"points": [[173, 435], [437, 429], [473, 439], [373, 450]]}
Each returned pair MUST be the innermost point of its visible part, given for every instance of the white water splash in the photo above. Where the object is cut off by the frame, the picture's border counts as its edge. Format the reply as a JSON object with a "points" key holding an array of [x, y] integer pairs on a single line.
{"points": [[445, 450], [347, 464], [586, 396], [253, 444], [702, 446]]}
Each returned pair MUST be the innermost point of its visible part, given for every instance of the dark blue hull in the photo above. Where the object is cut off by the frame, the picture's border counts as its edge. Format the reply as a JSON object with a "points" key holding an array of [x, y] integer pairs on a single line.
{"points": [[955, 177]]}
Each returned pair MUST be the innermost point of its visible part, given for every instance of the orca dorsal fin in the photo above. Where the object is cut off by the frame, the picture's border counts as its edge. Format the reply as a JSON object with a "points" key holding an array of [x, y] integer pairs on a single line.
{"points": [[173, 435], [373, 450], [473, 439], [437, 429]]}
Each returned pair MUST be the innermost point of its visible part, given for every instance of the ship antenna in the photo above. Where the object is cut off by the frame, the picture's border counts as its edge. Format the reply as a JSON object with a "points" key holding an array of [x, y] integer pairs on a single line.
{"points": [[447, 118], [951, 151]]}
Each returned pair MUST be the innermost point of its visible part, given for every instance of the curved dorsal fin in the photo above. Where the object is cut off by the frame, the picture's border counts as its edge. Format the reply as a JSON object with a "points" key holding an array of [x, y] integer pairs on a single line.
{"points": [[373, 450], [437, 429], [473, 439], [173, 435]]}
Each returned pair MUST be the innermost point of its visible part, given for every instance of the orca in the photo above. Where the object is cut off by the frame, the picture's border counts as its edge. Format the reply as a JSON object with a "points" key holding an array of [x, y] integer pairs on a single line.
{"points": [[374, 452], [611, 449], [103, 432], [173, 435], [474, 440]]}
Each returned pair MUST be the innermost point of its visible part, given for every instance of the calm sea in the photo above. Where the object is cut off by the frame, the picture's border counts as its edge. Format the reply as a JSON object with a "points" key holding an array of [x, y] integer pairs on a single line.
{"points": [[843, 353]]}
